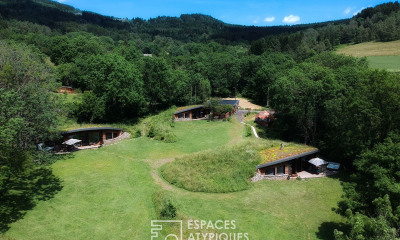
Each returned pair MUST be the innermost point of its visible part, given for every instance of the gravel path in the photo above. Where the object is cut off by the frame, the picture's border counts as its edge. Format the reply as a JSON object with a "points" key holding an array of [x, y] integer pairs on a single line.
{"points": [[155, 165], [240, 114]]}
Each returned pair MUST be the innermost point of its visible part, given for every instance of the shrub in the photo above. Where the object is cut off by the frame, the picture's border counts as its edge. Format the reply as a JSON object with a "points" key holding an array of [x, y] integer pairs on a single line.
{"points": [[170, 137], [137, 133], [160, 126], [168, 210], [164, 206], [224, 108], [248, 131]]}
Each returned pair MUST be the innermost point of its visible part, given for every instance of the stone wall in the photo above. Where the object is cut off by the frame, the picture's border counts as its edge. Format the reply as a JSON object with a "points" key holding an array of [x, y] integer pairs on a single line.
{"points": [[125, 135], [259, 177]]}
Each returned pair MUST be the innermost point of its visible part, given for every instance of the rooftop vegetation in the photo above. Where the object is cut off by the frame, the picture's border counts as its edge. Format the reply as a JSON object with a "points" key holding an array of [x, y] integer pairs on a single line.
{"points": [[188, 107], [276, 153]]}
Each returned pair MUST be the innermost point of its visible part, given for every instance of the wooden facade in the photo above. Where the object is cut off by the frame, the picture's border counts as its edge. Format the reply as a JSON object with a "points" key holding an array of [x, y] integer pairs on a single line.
{"points": [[200, 112], [92, 136], [264, 118], [66, 89], [196, 112]]}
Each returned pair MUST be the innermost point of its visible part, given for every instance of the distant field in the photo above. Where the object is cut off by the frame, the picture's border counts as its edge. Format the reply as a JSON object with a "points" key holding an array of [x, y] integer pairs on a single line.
{"points": [[371, 49], [390, 63], [381, 55]]}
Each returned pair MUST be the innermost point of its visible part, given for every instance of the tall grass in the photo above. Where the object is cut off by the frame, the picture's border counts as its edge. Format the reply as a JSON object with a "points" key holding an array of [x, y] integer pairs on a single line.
{"points": [[224, 169], [158, 127]]}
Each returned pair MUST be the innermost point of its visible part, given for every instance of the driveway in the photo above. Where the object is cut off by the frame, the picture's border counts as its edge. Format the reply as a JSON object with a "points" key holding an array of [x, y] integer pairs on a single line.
{"points": [[240, 114]]}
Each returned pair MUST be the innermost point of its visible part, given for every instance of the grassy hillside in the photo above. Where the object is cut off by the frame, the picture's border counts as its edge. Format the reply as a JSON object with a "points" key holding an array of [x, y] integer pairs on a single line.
{"points": [[108, 194], [371, 49], [390, 63], [381, 55]]}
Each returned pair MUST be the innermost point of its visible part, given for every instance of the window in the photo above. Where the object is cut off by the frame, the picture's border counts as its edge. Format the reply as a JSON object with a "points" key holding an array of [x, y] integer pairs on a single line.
{"points": [[85, 139], [187, 115], [280, 169], [94, 137], [270, 171], [180, 116], [74, 137], [108, 135]]}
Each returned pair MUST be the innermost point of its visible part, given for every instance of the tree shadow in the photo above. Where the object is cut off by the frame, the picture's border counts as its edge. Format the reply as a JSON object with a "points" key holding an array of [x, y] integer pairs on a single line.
{"points": [[342, 176], [21, 193], [325, 230]]}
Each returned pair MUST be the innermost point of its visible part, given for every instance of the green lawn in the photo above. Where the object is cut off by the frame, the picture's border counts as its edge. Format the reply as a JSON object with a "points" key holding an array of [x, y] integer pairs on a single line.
{"points": [[107, 194], [390, 63]]}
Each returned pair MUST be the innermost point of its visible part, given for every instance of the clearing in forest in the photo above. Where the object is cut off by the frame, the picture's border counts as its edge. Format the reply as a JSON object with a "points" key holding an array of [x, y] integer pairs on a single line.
{"points": [[245, 103]]}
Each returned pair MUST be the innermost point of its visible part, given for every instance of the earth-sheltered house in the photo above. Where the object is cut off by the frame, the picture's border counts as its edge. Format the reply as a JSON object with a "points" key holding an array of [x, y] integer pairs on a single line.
{"points": [[286, 161], [201, 112], [94, 136]]}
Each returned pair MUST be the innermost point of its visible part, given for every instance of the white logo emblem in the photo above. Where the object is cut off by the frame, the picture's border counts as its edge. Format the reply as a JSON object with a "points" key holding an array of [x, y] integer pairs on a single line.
{"points": [[157, 227]]}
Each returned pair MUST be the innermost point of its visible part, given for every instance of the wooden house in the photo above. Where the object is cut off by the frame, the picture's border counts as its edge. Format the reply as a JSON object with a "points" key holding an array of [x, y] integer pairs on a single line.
{"points": [[286, 160], [265, 118], [200, 112], [92, 136], [191, 112], [66, 89]]}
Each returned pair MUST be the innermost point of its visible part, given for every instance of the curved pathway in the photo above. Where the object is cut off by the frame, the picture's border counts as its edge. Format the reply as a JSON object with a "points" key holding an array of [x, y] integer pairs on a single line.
{"points": [[155, 165], [240, 114]]}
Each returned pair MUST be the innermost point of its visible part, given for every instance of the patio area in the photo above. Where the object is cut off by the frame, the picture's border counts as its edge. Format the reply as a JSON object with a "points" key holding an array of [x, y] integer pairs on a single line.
{"points": [[306, 174]]}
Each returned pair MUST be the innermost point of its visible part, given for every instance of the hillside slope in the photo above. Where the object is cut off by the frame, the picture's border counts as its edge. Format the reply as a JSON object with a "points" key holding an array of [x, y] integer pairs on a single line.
{"points": [[187, 27], [372, 49], [380, 55]]}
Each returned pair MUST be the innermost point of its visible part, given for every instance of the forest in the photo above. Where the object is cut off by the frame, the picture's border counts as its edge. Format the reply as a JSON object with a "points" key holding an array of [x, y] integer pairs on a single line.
{"points": [[334, 102]]}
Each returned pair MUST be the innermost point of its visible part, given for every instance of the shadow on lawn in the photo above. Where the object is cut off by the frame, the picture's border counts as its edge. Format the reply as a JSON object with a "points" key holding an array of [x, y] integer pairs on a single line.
{"points": [[325, 230], [21, 193]]}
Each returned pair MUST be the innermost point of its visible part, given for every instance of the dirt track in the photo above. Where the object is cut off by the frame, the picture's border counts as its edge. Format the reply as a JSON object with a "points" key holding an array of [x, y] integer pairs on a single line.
{"points": [[244, 103]]}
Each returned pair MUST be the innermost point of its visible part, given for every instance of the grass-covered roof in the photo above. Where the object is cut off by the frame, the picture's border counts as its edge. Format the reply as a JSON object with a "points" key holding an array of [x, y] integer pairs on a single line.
{"points": [[276, 153]]}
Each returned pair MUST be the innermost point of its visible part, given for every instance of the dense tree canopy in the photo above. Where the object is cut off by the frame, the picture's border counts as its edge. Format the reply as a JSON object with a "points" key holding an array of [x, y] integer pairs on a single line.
{"points": [[27, 116], [372, 202], [115, 85]]}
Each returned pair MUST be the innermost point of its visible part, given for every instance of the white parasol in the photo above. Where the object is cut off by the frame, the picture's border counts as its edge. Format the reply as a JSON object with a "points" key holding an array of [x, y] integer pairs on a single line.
{"points": [[72, 141], [317, 162]]}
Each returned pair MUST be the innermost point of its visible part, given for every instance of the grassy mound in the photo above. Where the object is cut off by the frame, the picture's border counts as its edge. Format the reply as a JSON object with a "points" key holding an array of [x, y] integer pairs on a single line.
{"points": [[158, 127], [224, 169]]}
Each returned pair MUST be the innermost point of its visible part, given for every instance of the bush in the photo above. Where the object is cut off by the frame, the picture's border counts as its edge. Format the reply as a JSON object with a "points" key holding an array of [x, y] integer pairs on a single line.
{"points": [[164, 207], [248, 131], [224, 108], [160, 126], [168, 210], [137, 134]]}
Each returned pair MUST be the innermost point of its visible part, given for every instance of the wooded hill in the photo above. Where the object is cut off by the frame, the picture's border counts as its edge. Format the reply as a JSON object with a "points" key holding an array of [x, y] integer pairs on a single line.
{"points": [[379, 23], [187, 27]]}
